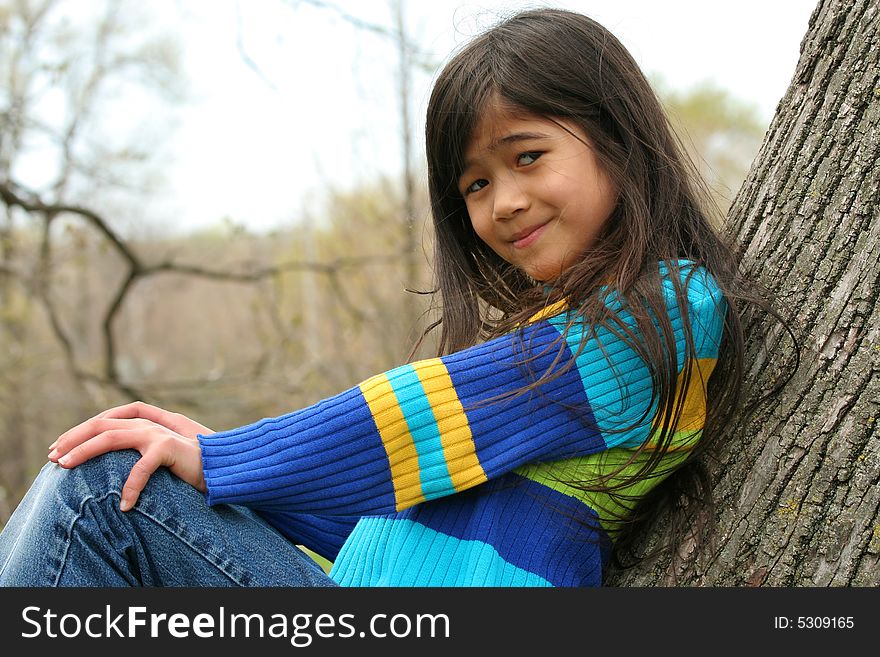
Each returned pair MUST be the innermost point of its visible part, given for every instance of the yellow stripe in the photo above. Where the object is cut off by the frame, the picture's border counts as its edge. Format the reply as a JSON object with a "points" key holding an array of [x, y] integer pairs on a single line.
{"points": [[402, 456], [693, 411], [549, 311], [459, 450]]}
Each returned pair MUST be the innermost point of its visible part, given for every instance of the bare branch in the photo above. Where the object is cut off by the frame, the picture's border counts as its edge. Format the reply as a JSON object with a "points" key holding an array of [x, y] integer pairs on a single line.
{"points": [[329, 268], [13, 196], [242, 51], [359, 23], [416, 55]]}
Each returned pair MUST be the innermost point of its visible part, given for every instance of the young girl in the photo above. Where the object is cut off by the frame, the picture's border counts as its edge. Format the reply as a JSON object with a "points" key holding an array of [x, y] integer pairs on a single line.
{"points": [[589, 349]]}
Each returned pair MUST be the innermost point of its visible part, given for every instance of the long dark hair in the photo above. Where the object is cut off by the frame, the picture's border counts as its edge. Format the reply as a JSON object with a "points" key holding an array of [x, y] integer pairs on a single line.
{"points": [[566, 67]]}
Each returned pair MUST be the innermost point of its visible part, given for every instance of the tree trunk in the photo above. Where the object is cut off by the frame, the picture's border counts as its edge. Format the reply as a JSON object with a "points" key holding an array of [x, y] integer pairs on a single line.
{"points": [[796, 486]]}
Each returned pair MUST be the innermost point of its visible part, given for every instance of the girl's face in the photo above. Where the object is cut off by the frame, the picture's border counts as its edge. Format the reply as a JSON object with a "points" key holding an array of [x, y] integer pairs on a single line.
{"points": [[534, 191]]}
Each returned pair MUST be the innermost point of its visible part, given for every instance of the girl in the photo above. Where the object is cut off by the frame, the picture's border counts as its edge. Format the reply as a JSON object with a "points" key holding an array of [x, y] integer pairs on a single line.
{"points": [[589, 349]]}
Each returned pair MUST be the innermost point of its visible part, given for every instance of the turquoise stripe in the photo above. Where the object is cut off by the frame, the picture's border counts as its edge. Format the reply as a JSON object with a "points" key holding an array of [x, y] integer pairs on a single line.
{"points": [[451, 561], [620, 395], [433, 471], [605, 387]]}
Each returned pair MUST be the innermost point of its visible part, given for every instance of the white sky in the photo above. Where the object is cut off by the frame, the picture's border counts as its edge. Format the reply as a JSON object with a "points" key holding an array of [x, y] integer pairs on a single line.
{"points": [[261, 150]]}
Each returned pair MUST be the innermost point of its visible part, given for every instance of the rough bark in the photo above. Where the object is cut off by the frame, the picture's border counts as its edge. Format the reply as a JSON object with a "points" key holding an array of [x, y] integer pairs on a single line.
{"points": [[797, 483]]}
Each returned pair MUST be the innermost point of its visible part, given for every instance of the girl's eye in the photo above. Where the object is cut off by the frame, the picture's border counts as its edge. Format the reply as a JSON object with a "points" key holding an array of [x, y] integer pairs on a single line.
{"points": [[475, 186], [528, 158]]}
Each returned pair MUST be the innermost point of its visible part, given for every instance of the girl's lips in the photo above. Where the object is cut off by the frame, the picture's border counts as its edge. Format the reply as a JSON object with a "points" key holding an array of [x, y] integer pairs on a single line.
{"points": [[530, 237]]}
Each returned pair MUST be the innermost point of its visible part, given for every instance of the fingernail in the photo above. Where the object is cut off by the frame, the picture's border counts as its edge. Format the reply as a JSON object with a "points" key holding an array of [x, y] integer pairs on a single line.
{"points": [[64, 459], [124, 504], [53, 454]]}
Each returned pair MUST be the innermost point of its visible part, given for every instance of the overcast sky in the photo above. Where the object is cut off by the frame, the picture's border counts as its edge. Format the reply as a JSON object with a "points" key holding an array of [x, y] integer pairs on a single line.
{"points": [[287, 99]]}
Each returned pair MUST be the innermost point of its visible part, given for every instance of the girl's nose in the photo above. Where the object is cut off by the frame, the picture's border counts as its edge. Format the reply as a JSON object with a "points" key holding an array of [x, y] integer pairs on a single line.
{"points": [[509, 200]]}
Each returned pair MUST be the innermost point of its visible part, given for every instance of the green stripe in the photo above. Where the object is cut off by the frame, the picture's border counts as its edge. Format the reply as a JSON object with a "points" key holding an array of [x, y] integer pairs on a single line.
{"points": [[609, 507]]}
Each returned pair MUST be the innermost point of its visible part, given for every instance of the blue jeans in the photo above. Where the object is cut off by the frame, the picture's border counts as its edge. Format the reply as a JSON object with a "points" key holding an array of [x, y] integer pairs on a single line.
{"points": [[69, 531]]}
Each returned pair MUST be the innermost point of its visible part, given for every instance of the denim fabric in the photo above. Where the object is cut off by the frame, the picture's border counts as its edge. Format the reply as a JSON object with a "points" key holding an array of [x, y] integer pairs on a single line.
{"points": [[69, 531]]}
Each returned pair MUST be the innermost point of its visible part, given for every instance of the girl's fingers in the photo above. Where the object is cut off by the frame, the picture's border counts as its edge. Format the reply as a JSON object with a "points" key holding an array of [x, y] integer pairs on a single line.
{"points": [[158, 447], [107, 441], [175, 421], [90, 429], [73, 430], [135, 411], [137, 480], [142, 427]]}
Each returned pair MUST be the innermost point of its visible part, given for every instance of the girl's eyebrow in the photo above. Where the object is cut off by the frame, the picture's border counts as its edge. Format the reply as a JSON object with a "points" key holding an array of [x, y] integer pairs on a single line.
{"points": [[515, 137], [508, 139]]}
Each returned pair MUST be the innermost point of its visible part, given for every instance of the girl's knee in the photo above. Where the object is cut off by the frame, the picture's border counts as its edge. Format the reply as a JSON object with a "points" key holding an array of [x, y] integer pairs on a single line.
{"points": [[105, 473]]}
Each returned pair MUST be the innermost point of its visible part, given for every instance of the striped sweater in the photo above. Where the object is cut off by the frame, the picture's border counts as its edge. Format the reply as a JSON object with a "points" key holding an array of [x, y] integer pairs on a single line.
{"points": [[431, 474]]}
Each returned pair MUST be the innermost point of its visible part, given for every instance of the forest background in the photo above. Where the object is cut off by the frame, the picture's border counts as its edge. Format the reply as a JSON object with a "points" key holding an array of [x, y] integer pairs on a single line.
{"points": [[114, 287]]}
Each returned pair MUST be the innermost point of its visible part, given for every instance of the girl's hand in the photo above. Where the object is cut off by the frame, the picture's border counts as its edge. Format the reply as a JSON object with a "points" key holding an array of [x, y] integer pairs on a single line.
{"points": [[163, 438]]}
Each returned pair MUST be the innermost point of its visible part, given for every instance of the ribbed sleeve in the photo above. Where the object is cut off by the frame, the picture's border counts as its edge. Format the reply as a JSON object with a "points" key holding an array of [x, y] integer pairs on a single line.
{"points": [[439, 426], [417, 432]]}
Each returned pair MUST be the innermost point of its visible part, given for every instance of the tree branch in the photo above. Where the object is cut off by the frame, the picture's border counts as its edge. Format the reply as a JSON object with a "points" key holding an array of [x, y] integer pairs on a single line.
{"points": [[12, 195]]}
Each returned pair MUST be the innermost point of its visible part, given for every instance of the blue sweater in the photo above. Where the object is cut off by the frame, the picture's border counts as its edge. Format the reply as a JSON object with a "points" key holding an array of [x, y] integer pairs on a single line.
{"points": [[443, 473]]}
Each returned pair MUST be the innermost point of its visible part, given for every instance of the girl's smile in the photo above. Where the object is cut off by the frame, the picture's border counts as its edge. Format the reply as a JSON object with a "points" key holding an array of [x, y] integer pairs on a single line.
{"points": [[526, 237], [534, 190]]}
